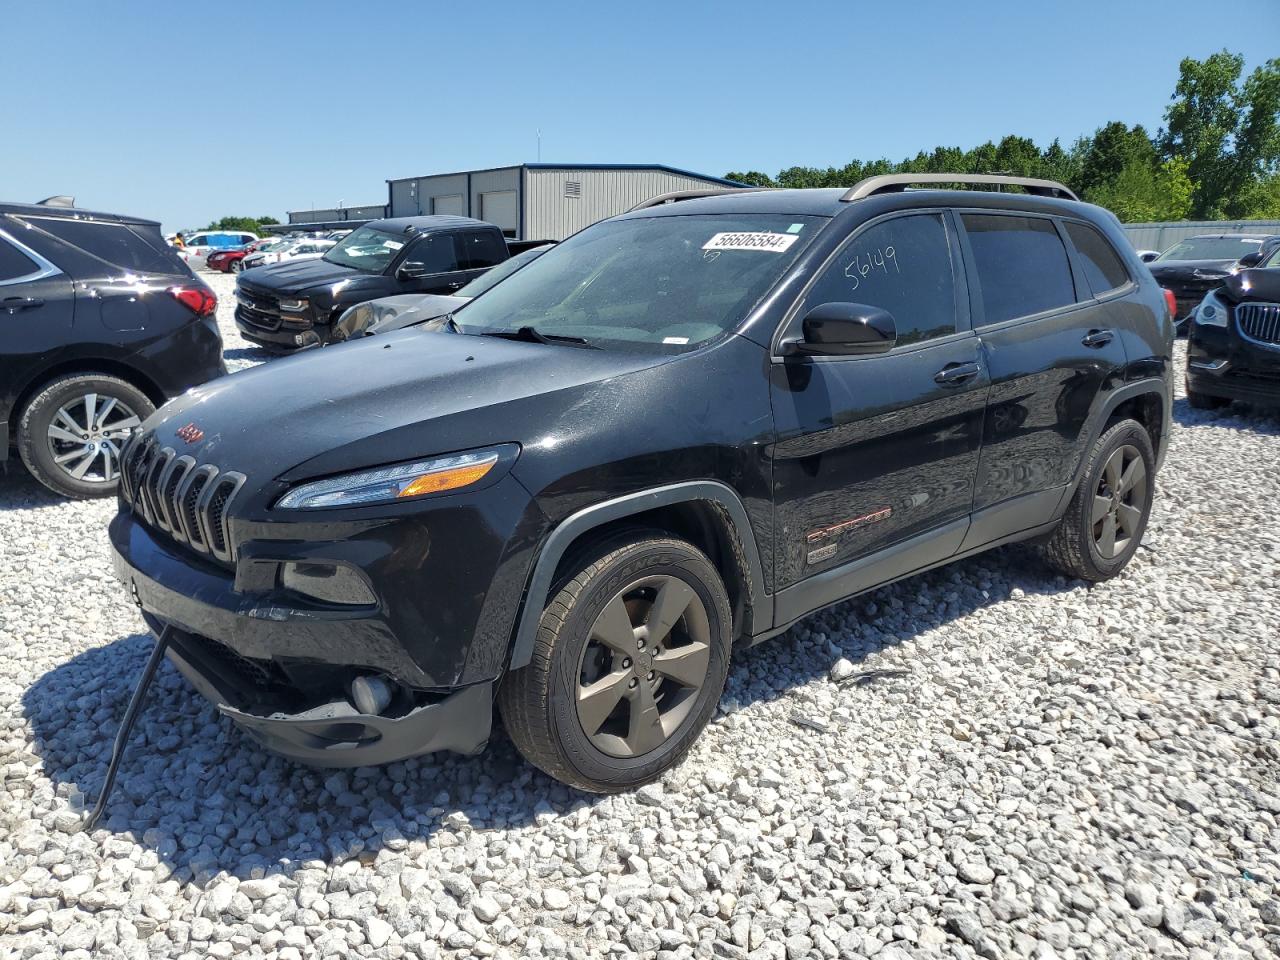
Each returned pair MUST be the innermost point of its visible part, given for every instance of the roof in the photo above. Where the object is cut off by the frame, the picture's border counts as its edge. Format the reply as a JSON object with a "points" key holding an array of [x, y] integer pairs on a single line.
{"points": [[677, 171], [1260, 237], [425, 223], [828, 202], [70, 213]]}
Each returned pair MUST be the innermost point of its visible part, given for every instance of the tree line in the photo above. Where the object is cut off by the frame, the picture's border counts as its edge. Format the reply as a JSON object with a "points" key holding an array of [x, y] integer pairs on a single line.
{"points": [[1217, 156]]}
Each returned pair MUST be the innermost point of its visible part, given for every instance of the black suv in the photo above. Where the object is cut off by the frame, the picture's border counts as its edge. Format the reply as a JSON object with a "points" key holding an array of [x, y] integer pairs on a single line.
{"points": [[679, 431], [1233, 346], [100, 322], [290, 305]]}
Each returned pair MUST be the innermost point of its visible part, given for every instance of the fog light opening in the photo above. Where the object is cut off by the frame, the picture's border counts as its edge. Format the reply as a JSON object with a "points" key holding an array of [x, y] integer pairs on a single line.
{"points": [[371, 694]]}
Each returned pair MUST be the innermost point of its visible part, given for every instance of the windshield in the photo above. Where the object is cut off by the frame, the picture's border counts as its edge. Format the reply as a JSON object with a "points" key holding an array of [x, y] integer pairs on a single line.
{"points": [[366, 249], [673, 281], [503, 270], [1273, 260], [1211, 248]]}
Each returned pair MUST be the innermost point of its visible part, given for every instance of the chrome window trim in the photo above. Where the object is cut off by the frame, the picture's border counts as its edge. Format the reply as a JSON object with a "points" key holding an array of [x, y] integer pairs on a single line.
{"points": [[45, 268]]}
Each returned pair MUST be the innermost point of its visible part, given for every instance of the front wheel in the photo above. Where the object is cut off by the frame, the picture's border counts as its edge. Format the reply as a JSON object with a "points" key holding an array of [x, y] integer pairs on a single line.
{"points": [[236, 266], [629, 664], [71, 433], [1106, 518]]}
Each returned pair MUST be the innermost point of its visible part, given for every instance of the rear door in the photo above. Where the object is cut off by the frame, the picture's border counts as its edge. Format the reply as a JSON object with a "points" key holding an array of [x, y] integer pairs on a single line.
{"points": [[36, 311], [1054, 352], [874, 451]]}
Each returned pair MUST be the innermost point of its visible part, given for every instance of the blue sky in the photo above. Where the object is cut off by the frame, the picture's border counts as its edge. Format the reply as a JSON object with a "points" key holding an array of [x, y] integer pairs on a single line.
{"points": [[185, 111]]}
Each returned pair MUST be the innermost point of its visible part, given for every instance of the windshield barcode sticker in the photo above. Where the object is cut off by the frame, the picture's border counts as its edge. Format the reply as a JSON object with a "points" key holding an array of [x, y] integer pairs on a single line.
{"points": [[772, 242]]}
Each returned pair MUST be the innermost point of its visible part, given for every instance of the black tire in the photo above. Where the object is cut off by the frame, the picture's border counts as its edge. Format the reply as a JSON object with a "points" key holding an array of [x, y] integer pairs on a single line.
{"points": [[1073, 549], [539, 702], [39, 451], [1203, 401], [237, 266]]}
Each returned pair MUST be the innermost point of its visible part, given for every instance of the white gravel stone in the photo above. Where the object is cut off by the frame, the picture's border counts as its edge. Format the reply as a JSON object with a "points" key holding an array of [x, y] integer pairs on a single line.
{"points": [[1034, 767]]}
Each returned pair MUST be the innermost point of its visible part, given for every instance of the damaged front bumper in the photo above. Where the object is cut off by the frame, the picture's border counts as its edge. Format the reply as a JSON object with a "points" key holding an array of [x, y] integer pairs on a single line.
{"points": [[293, 705]]}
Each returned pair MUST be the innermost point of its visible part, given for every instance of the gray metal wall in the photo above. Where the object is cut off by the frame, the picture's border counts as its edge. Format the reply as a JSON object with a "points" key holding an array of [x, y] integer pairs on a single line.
{"points": [[418, 196], [371, 212], [1162, 236], [550, 214]]}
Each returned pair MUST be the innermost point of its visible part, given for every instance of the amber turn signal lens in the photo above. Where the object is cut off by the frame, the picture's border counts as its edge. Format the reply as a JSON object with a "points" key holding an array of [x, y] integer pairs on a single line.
{"points": [[447, 479]]}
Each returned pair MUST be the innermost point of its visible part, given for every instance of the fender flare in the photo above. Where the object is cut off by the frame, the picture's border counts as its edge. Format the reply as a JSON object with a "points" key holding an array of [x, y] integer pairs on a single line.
{"points": [[589, 518], [1138, 388]]}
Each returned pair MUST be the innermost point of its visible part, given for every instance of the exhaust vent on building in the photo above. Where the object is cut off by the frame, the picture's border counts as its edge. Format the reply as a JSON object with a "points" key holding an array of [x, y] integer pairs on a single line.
{"points": [[573, 188]]}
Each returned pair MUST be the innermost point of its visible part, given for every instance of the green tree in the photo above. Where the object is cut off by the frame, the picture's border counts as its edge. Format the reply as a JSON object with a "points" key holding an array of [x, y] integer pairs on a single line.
{"points": [[251, 224], [1227, 131], [752, 177]]}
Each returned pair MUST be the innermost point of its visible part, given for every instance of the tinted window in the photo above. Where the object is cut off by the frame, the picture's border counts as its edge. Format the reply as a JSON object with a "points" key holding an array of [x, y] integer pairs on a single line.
{"points": [[117, 244], [1021, 264], [1102, 265], [14, 263], [480, 250], [902, 266], [436, 252]]}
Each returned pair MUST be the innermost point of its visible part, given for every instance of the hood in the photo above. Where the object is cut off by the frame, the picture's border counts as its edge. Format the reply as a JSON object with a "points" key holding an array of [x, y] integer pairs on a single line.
{"points": [[300, 275], [412, 393], [1256, 284], [1189, 269]]}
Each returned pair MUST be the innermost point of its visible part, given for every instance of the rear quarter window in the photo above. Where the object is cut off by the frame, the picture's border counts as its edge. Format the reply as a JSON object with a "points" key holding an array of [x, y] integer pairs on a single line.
{"points": [[14, 263], [1021, 264], [1103, 267], [126, 246]]}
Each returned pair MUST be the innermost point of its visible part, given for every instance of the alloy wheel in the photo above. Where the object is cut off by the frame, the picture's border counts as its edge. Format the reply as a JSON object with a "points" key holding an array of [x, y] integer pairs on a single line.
{"points": [[86, 435], [1119, 501], [643, 665]]}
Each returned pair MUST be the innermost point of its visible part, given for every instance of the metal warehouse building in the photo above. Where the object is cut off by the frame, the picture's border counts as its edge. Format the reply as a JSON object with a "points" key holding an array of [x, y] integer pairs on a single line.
{"points": [[542, 201]]}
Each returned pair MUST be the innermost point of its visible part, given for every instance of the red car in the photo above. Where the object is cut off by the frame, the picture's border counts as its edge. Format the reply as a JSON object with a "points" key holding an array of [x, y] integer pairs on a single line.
{"points": [[228, 261]]}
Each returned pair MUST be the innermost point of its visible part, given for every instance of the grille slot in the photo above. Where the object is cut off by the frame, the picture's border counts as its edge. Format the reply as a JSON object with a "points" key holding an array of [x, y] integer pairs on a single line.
{"points": [[1259, 321], [176, 495]]}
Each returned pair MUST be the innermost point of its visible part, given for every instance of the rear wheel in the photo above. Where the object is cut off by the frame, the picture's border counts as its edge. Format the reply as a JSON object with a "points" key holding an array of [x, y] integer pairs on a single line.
{"points": [[1203, 401], [629, 663], [1106, 518], [71, 433]]}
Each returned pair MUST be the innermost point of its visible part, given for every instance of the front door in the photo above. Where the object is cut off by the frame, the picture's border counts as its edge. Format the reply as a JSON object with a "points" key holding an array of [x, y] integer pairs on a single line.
{"points": [[873, 451]]}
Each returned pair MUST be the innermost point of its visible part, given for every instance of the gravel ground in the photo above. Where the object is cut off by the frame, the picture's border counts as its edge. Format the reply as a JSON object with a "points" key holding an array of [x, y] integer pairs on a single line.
{"points": [[983, 761]]}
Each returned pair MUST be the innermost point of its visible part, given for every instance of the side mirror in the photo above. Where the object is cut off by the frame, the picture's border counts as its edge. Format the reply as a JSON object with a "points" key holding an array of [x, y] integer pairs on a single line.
{"points": [[1149, 256], [844, 330], [1251, 259], [411, 270]]}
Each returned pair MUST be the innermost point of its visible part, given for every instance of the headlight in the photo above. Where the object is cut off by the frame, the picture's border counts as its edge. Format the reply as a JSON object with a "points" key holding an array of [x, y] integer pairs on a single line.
{"points": [[399, 482], [293, 305], [1212, 312]]}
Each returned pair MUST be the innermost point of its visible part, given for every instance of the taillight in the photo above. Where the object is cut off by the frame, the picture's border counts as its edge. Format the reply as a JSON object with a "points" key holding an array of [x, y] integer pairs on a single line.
{"points": [[1171, 302], [199, 300]]}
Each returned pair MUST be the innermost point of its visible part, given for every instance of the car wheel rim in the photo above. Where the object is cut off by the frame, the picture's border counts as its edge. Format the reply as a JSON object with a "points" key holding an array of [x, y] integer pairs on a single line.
{"points": [[86, 435], [645, 660], [1119, 502]]}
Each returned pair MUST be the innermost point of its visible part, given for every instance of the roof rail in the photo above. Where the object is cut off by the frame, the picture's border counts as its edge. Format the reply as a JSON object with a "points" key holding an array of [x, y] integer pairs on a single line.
{"points": [[678, 195], [897, 182]]}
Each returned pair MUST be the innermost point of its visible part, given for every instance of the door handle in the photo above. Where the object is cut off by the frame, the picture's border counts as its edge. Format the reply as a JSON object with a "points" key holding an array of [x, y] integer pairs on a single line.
{"points": [[1098, 338], [14, 304], [954, 374]]}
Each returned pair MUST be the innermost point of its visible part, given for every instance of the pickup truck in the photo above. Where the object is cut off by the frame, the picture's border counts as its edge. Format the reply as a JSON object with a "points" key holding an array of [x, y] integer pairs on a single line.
{"points": [[287, 306]]}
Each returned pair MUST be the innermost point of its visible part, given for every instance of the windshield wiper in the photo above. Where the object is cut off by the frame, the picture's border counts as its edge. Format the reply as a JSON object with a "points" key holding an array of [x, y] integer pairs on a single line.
{"points": [[532, 335]]}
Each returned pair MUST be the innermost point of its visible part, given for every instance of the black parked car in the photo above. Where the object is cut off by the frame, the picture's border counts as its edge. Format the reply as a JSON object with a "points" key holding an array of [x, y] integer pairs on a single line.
{"points": [[1193, 267], [410, 310], [99, 322], [677, 432], [285, 306], [1233, 346]]}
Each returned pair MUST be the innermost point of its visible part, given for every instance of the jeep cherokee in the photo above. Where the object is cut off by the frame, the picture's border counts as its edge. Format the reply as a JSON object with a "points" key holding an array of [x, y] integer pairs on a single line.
{"points": [[676, 433]]}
